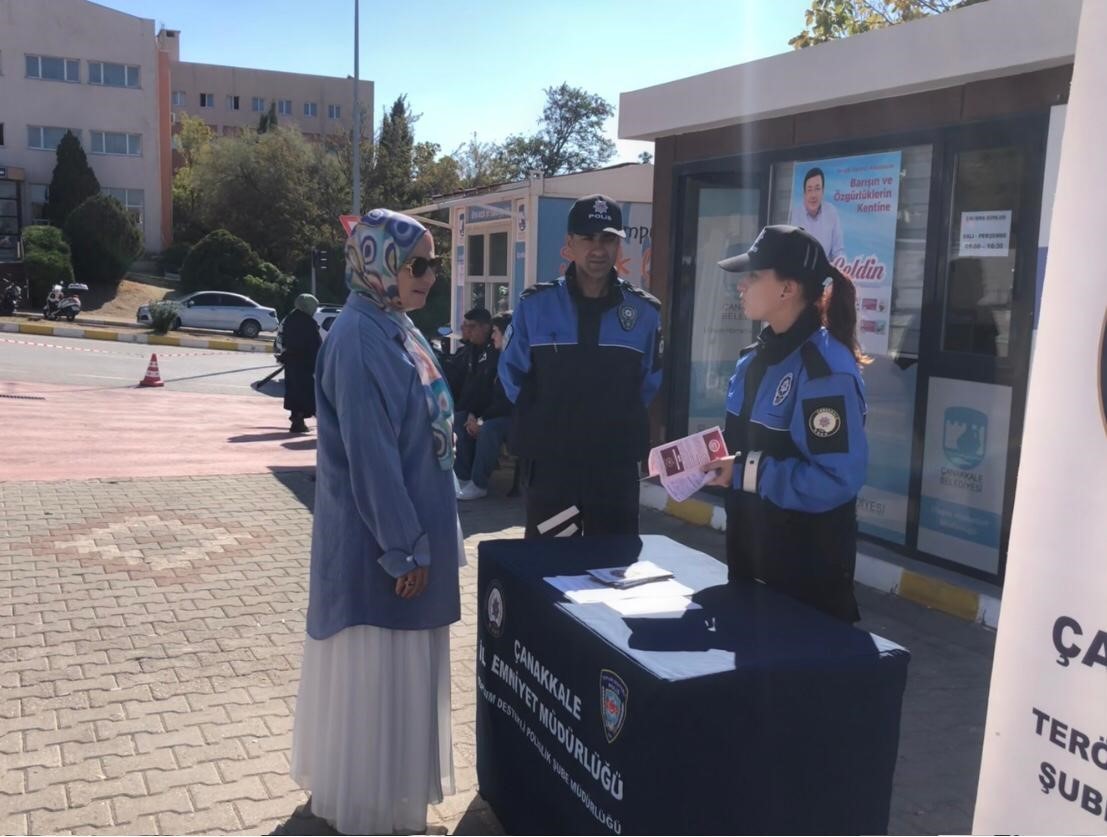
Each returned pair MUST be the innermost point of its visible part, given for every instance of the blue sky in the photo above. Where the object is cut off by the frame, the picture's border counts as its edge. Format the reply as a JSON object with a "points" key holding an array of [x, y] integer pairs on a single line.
{"points": [[482, 66]]}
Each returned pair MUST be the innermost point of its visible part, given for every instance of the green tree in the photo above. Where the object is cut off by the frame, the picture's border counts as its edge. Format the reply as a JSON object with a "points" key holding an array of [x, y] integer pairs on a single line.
{"points": [[104, 239], [570, 136], [275, 190], [481, 164], [73, 182], [645, 158], [218, 262], [47, 261], [392, 161], [268, 119], [829, 20], [192, 137]]}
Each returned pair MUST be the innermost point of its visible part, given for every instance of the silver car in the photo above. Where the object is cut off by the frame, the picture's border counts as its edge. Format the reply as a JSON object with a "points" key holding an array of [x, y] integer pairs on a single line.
{"points": [[219, 310]]}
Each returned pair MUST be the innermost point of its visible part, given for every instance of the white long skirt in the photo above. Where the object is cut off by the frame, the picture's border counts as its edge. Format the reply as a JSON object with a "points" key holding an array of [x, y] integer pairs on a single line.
{"points": [[372, 740]]}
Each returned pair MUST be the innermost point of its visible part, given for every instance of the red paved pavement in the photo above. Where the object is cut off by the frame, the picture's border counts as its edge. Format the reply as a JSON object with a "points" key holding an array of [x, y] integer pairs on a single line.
{"points": [[71, 433]]}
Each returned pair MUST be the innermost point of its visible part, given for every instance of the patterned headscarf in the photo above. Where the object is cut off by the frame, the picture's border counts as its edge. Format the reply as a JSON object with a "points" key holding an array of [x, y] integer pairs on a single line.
{"points": [[377, 248]]}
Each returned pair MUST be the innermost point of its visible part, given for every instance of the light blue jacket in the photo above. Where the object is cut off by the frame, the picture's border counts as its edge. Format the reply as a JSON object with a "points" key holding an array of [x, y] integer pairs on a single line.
{"points": [[382, 503]]}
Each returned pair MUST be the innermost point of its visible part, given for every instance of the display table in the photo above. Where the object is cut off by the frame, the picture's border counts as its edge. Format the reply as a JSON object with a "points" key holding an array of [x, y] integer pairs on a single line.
{"points": [[753, 714]]}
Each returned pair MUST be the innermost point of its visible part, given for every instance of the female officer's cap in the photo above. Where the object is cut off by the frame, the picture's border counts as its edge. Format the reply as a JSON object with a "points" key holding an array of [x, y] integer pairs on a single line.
{"points": [[790, 251]]}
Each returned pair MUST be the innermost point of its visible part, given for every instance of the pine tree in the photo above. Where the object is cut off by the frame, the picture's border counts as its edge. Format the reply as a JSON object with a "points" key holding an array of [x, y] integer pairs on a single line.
{"points": [[268, 119], [73, 182]]}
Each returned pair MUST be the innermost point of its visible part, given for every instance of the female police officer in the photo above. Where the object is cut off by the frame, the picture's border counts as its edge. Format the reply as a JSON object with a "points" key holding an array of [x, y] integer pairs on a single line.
{"points": [[795, 420]]}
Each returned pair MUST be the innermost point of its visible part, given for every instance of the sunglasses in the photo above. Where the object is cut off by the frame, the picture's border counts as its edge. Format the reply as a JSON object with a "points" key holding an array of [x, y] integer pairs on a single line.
{"points": [[421, 265]]}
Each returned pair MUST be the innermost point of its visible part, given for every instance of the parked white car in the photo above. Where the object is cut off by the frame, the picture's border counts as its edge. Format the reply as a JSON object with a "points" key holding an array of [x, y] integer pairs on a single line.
{"points": [[219, 310], [325, 315]]}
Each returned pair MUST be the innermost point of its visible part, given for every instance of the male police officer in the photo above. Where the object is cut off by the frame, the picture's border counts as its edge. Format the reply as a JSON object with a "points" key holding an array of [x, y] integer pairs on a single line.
{"points": [[581, 364]]}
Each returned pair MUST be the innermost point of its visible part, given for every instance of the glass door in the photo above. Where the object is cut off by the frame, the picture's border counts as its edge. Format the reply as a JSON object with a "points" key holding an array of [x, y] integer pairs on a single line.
{"points": [[977, 345], [722, 215]]}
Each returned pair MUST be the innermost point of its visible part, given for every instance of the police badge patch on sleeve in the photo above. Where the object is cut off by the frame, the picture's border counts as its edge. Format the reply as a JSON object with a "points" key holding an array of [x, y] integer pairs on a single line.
{"points": [[825, 422], [628, 316]]}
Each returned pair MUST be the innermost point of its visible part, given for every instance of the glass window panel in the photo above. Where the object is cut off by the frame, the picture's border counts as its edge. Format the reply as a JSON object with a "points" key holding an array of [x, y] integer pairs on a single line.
{"points": [[115, 143], [497, 254], [53, 68], [114, 75], [503, 302], [475, 258], [132, 76], [134, 144], [32, 66], [477, 295], [72, 70], [727, 222], [7, 189], [982, 252]]}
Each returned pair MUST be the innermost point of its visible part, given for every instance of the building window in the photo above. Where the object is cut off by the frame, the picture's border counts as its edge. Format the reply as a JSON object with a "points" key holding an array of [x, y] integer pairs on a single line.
{"points": [[311, 109], [232, 103], [487, 280], [110, 142], [47, 138], [334, 111], [207, 100], [284, 107], [257, 104], [40, 196], [1, 133], [112, 75], [53, 69], [132, 200], [179, 98]]}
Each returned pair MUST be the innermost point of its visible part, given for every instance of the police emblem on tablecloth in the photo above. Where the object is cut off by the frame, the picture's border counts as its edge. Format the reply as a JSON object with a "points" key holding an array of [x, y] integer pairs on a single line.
{"points": [[494, 609], [782, 390], [613, 703], [628, 316]]}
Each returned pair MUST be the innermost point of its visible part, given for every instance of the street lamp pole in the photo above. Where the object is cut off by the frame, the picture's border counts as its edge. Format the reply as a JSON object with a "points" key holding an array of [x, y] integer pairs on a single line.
{"points": [[357, 121]]}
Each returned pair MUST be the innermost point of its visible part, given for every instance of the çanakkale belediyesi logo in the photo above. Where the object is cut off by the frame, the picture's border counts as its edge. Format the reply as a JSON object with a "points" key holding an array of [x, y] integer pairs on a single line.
{"points": [[964, 437]]}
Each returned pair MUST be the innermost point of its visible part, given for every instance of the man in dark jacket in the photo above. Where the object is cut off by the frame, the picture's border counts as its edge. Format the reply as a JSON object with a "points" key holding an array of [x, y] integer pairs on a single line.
{"points": [[300, 341], [581, 364], [484, 432], [476, 328]]}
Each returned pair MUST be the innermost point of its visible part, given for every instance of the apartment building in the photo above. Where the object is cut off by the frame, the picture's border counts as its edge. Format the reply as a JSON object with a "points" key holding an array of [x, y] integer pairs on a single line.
{"points": [[231, 99], [72, 64], [118, 85]]}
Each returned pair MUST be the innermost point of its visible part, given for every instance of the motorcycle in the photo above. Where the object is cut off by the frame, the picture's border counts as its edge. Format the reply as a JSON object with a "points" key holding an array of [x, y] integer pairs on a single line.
{"points": [[64, 303], [9, 298]]}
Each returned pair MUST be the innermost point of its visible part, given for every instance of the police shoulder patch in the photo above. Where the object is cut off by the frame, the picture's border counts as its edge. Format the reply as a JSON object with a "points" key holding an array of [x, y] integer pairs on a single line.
{"points": [[628, 315], [538, 288], [641, 294], [825, 424], [783, 389]]}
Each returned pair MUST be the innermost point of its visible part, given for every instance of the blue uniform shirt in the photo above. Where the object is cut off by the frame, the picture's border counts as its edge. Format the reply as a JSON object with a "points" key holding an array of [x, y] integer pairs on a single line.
{"points": [[801, 432], [383, 505]]}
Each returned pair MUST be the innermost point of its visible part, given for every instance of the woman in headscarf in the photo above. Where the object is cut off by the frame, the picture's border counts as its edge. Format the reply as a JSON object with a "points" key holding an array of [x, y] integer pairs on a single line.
{"points": [[299, 338], [372, 737]]}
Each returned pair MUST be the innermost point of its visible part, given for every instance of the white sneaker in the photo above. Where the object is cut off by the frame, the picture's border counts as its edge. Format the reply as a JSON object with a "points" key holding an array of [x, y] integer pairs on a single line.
{"points": [[472, 492], [459, 485]]}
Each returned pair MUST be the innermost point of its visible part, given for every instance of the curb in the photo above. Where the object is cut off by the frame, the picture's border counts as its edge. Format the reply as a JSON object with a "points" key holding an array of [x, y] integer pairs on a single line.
{"points": [[876, 573], [224, 344]]}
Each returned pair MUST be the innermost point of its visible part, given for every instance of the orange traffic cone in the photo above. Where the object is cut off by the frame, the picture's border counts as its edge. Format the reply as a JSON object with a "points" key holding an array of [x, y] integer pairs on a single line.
{"points": [[153, 377]]}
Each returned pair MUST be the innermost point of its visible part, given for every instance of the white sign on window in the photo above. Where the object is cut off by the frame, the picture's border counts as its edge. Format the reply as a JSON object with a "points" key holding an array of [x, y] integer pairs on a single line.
{"points": [[986, 234]]}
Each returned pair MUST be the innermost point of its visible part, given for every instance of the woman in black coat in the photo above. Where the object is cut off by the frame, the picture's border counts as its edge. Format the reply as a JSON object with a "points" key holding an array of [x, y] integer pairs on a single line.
{"points": [[300, 343]]}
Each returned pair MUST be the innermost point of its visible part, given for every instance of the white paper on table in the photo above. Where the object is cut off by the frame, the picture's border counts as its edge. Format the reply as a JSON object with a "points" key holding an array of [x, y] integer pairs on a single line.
{"points": [[680, 463], [569, 583], [663, 606], [653, 590]]}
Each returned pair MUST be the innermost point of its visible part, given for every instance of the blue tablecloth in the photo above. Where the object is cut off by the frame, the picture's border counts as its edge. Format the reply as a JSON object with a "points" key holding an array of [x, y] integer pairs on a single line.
{"points": [[752, 714]]}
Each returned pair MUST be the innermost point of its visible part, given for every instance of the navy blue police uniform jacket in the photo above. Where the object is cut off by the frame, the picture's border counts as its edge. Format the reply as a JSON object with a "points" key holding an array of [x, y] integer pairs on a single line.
{"points": [[795, 420], [581, 372]]}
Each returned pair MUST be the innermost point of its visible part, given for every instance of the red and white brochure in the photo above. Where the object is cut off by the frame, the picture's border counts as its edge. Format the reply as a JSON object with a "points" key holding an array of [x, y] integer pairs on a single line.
{"points": [[680, 463]]}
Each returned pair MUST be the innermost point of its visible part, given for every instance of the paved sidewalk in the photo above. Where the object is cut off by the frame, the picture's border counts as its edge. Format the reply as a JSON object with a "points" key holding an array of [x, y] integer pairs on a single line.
{"points": [[150, 641]]}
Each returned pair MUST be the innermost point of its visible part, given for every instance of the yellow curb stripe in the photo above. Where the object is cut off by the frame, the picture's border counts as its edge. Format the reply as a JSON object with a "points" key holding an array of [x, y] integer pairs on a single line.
{"points": [[163, 340], [695, 512], [35, 328], [101, 334], [223, 345], [940, 595]]}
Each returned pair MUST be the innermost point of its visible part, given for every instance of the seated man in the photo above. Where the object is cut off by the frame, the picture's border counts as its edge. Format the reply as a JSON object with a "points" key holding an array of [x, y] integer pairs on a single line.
{"points": [[478, 445]]}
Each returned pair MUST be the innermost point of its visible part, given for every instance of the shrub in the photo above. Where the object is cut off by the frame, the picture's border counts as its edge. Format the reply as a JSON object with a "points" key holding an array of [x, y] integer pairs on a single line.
{"points": [[173, 256], [47, 261], [162, 315], [270, 288], [104, 240], [219, 261]]}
